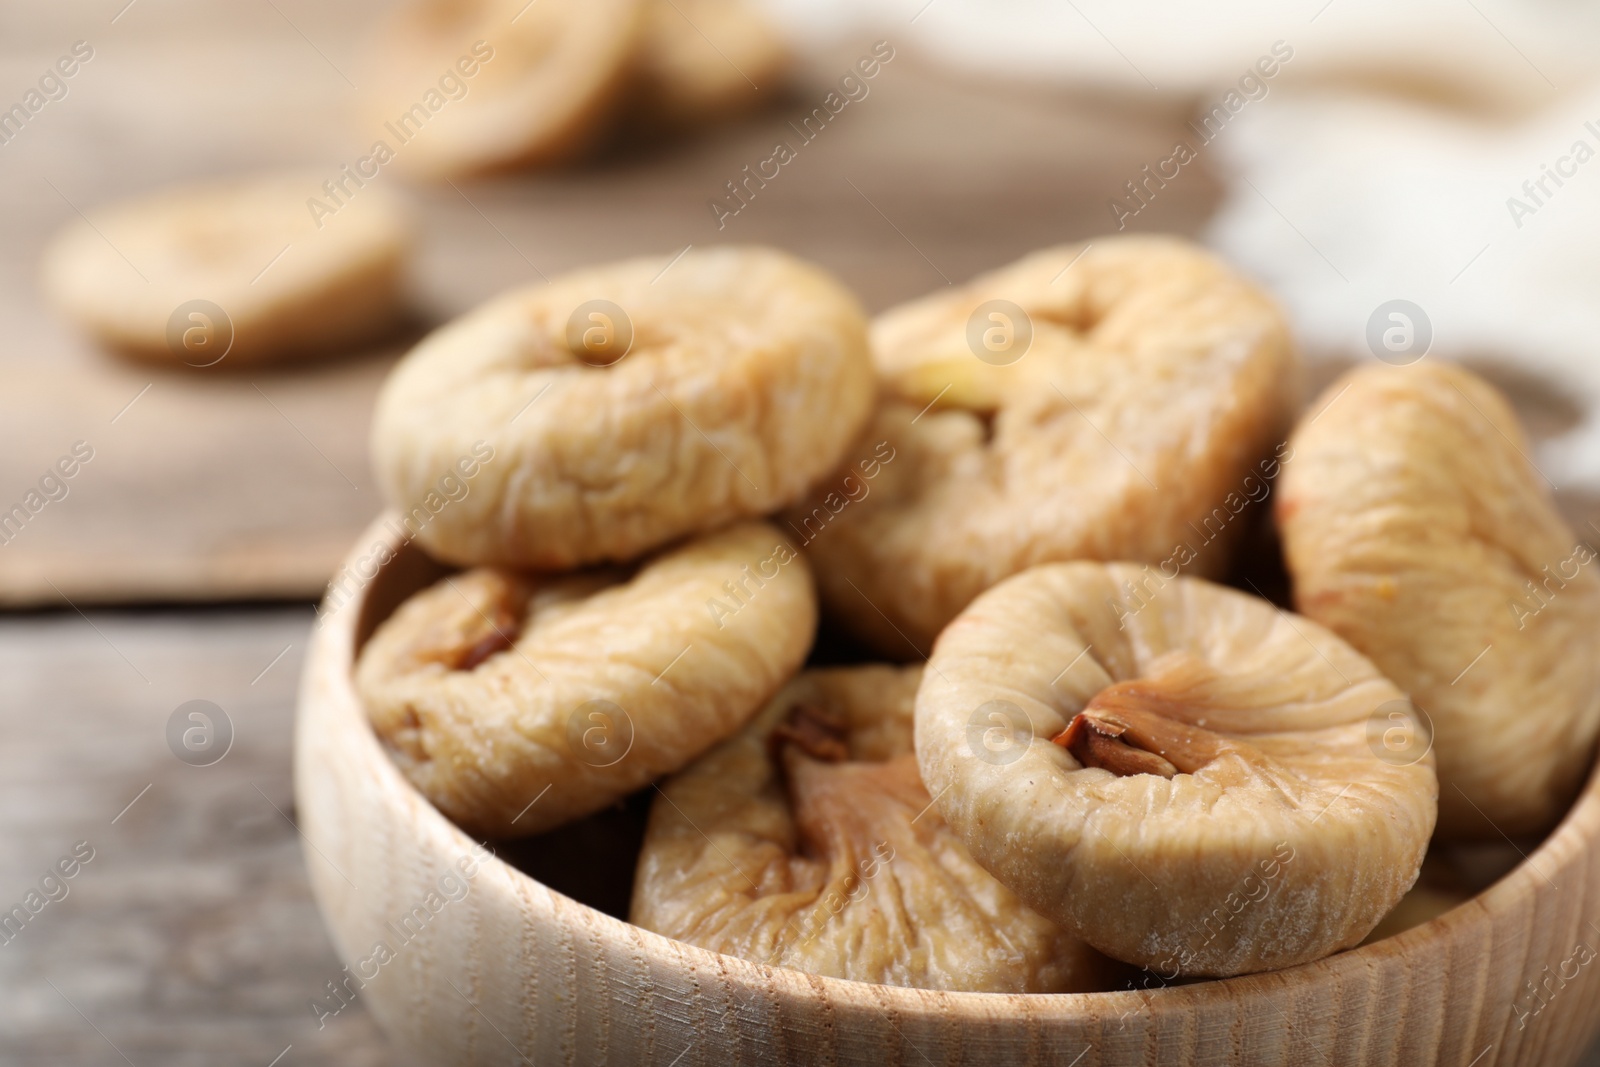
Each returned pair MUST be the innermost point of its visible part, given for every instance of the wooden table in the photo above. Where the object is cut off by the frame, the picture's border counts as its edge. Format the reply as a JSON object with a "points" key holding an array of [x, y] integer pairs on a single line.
{"points": [[190, 937]]}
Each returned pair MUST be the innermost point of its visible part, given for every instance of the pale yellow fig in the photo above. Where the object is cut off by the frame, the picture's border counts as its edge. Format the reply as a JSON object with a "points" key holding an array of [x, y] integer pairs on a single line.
{"points": [[1416, 527], [234, 271], [627, 405], [460, 87], [700, 60], [518, 702], [808, 841], [1113, 400], [1180, 774]]}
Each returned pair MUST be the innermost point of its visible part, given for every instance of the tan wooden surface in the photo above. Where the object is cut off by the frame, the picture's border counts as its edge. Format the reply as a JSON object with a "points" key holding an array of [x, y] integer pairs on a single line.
{"points": [[190, 939], [223, 485], [516, 970]]}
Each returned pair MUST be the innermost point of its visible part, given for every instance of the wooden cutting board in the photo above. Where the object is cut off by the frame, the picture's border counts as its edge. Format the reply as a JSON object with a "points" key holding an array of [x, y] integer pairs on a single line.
{"points": [[224, 485]]}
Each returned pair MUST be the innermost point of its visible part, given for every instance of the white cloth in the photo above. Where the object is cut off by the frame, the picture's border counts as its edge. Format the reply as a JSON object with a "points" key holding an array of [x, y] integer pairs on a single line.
{"points": [[1488, 49], [1345, 189], [1342, 202]]}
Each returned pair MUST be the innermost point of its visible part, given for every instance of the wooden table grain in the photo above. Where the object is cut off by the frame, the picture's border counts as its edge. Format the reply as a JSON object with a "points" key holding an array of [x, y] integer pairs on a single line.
{"points": [[190, 936]]}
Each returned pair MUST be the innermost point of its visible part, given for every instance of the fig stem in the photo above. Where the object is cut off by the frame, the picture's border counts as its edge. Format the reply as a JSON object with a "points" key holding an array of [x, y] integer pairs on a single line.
{"points": [[504, 629], [1097, 741], [488, 646], [815, 732], [1119, 731]]}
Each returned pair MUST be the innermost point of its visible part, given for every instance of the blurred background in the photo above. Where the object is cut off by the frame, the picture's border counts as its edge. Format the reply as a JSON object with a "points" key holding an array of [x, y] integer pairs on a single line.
{"points": [[1362, 159]]}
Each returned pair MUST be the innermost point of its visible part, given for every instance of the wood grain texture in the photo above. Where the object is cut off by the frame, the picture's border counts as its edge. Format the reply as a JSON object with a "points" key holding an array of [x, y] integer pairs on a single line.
{"points": [[191, 938], [515, 971], [228, 484]]}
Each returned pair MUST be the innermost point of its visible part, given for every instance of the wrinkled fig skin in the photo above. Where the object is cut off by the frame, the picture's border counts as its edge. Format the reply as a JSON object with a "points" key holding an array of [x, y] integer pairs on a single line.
{"points": [[824, 855], [1413, 525], [747, 378], [1155, 381], [480, 685], [1280, 837]]}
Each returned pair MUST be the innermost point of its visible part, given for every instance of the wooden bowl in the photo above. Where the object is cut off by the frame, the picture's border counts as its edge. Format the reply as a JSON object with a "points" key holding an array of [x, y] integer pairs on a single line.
{"points": [[500, 968]]}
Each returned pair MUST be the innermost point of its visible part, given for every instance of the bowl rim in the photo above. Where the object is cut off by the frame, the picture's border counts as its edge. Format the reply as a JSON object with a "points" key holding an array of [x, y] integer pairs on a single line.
{"points": [[338, 634]]}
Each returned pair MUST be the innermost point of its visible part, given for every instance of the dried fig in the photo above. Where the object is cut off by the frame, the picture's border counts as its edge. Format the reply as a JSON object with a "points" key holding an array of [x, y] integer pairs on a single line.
{"points": [[457, 87], [1416, 528], [808, 841], [237, 269], [1181, 774], [1103, 401], [518, 702], [705, 59], [629, 405]]}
